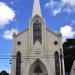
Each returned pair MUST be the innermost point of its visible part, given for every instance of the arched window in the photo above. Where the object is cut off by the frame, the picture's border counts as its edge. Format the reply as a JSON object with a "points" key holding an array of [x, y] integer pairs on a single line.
{"points": [[37, 33], [57, 64], [18, 63]]}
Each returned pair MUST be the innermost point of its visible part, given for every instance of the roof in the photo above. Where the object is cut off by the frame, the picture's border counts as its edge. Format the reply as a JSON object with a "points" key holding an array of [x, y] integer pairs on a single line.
{"points": [[57, 34], [22, 32], [28, 29]]}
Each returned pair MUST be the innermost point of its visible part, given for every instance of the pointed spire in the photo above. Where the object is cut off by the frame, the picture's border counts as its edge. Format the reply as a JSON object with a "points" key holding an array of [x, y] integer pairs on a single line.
{"points": [[36, 8]]}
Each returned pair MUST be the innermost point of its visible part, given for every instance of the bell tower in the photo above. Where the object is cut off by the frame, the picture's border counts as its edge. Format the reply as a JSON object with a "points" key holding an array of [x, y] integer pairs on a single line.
{"points": [[36, 9], [37, 29]]}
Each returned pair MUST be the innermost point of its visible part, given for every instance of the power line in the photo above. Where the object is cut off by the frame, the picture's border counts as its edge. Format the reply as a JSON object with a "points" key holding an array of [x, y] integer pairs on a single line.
{"points": [[27, 57]]}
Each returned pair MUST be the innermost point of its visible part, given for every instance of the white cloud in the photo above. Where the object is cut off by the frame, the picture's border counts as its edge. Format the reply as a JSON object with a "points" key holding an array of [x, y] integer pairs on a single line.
{"points": [[56, 11], [71, 2], [51, 3], [67, 32], [8, 34], [54, 7], [62, 6], [7, 14]]}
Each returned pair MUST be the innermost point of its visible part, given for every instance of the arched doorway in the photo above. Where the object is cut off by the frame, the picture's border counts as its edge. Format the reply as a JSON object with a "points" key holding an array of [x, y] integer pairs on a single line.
{"points": [[38, 68]]}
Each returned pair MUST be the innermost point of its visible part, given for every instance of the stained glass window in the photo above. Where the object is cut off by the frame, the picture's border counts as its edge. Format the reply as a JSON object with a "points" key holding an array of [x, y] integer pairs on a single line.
{"points": [[37, 33]]}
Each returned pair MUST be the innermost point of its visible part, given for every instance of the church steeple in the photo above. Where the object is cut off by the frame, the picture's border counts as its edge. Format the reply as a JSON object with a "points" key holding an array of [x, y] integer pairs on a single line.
{"points": [[36, 9]]}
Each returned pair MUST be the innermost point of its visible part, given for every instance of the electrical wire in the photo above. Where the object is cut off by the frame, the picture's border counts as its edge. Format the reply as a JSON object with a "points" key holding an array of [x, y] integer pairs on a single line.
{"points": [[6, 56], [27, 57]]}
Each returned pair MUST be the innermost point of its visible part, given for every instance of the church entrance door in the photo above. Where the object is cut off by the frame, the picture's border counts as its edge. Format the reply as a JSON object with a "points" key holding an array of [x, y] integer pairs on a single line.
{"points": [[38, 68]]}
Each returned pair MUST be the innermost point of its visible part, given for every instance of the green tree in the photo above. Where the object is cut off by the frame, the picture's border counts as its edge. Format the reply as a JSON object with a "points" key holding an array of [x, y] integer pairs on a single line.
{"points": [[4, 73], [69, 53]]}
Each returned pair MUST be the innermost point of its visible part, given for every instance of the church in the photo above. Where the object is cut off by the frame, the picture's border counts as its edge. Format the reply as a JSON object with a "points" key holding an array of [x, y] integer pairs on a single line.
{"points": [[37, 50]]}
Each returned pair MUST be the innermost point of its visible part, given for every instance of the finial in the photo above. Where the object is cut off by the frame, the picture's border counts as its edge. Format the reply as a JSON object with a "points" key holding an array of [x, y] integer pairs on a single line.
{"points": [[14, 35], [36, 9]]}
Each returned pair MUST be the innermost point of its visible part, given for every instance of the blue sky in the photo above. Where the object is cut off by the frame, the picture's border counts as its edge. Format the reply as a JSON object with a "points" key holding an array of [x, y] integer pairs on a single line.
{"points": [[15, 14]]}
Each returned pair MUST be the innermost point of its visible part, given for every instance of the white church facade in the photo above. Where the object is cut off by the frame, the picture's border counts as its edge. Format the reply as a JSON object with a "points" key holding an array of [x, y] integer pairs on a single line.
{"points": [[37, 50]]}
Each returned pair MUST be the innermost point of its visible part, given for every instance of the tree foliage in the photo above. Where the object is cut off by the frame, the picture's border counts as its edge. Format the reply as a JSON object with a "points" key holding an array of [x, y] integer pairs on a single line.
{"points": [[4, 73], [69, 53]]}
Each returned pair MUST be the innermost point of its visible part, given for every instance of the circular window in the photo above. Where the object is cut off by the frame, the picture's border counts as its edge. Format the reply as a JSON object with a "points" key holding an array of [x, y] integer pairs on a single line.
{"points": [[19, 43], [55, 42], [37, 51]]}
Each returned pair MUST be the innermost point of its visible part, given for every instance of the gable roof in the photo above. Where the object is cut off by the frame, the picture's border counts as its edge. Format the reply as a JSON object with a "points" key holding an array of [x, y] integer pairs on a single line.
{"points": [[28, 29]]}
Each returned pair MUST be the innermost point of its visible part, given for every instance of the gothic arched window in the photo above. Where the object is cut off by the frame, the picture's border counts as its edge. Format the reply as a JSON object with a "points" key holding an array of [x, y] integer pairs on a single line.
{"points": [[18, 63], [57, 64], [37, 33]]}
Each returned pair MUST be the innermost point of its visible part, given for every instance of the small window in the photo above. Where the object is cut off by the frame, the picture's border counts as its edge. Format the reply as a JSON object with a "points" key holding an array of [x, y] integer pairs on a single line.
{"points": [[19, 43], [55, 42]]}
